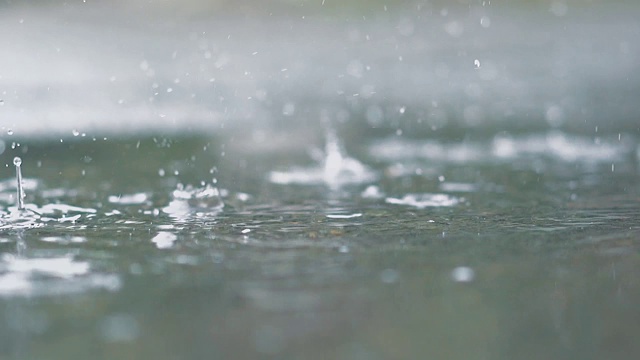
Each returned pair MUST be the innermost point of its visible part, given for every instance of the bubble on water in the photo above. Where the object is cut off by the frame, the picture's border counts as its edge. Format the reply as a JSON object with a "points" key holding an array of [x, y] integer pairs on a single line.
{"points": [[17, 161], [463, 274]]}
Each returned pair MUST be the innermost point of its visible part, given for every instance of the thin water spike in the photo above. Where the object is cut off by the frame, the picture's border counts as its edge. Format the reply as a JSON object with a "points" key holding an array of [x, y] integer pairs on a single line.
{"points": [[19, 190]]}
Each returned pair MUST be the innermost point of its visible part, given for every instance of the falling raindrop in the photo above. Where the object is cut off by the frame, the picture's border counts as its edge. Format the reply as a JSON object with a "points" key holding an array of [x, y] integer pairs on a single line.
{"points": [[476, 64]]}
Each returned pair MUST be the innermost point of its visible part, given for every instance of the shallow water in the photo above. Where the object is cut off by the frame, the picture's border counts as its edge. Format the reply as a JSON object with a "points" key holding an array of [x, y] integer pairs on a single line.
{"points": [[490, 253], [478, 210]]}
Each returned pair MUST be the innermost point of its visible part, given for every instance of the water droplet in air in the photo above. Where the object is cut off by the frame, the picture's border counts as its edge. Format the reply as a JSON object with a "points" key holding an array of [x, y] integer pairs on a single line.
{"points": [[17, 161], [9, 132], [75, 132], [476, 64]]}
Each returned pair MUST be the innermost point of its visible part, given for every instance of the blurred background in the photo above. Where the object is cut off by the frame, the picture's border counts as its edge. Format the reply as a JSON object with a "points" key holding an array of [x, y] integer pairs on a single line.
{"points": [[121, 67]]}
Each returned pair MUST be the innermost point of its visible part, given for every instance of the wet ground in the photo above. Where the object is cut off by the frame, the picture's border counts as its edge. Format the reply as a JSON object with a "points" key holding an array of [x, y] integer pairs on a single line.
{"points": [[365, 190]]}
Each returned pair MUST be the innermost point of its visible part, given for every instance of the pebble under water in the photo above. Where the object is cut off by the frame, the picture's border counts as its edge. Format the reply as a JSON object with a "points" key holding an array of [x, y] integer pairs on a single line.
{"points": [[485, 248]]}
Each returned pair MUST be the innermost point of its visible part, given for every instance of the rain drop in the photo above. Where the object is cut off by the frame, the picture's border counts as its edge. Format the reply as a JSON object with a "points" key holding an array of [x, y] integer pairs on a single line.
{"points": [[476, 64]]}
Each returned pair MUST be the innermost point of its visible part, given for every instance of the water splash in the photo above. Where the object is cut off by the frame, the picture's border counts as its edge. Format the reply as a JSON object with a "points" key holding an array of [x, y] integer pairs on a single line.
{"points": [[335, 170], [189, 200], [19, 191]]}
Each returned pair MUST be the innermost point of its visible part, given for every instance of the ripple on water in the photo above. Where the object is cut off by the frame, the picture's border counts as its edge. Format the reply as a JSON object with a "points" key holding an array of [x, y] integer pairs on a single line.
{"points": [[553, 145], [129, 199], [21, 276], [422, 201]]}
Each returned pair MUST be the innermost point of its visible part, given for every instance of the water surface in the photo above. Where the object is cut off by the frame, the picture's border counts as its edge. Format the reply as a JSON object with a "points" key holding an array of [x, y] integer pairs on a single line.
{"points": [[350, 185]]}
